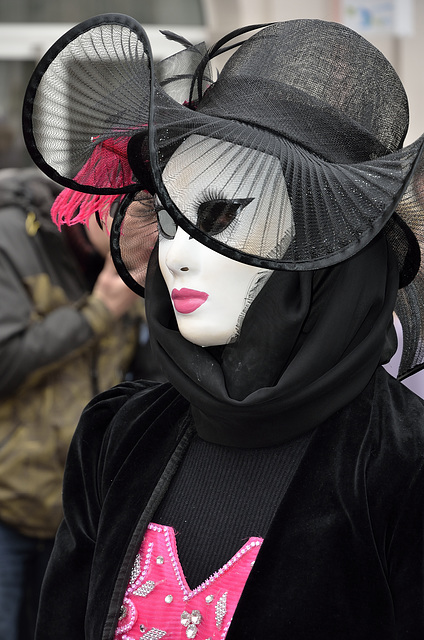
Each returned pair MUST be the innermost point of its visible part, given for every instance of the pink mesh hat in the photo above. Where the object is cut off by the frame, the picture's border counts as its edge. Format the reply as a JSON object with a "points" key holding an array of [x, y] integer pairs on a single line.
{"points": [[310, 105]]}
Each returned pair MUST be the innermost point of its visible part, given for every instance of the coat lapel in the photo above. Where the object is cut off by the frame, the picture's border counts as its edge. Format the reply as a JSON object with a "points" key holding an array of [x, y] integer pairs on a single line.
{"points": [[132, 488]]}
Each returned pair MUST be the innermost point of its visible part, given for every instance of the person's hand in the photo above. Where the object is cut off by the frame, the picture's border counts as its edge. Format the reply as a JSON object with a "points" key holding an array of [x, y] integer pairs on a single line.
{"points": [[112, 291]]}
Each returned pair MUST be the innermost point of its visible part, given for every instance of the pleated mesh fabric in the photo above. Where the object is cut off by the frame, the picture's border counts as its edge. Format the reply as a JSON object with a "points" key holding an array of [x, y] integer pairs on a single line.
{"points": [[91, 89]]}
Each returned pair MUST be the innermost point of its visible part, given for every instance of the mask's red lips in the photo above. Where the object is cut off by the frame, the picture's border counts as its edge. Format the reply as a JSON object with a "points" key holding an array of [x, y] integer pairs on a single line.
{"points": [[188, 300]]}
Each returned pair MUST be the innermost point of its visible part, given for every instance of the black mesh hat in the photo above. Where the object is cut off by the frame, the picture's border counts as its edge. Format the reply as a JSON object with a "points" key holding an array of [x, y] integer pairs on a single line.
{"points": [[295, 151]]}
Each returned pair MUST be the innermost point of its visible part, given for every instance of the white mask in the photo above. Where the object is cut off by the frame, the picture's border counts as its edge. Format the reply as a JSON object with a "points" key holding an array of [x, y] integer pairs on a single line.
{"points": [[210, 292]]}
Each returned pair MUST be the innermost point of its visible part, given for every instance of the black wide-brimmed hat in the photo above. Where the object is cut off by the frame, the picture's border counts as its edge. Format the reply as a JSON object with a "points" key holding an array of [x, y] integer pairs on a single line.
{"points": [[306, 113]]}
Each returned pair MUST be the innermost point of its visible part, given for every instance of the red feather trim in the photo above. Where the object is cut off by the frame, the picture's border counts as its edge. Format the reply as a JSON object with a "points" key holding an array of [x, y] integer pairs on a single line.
{"points": [[107, 167]]}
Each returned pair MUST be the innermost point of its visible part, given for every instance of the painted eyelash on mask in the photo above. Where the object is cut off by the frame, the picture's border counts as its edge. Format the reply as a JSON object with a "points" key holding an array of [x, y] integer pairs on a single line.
{"points": [[214, 215], [215, 212]]}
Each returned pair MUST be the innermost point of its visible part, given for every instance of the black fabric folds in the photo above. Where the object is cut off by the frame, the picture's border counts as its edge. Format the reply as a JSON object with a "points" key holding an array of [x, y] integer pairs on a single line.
{"points": [[342, 557], [309, 344]]}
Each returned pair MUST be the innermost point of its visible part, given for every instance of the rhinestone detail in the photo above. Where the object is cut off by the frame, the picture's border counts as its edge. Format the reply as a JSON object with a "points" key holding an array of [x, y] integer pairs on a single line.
{"points": [[185, 618], [191, 631], [191, 621], [130, 615], [145, 589], [188, 595], [221, 609], [135, 571], [153, 634], [196, 617], [137, 577], [146, 576]]}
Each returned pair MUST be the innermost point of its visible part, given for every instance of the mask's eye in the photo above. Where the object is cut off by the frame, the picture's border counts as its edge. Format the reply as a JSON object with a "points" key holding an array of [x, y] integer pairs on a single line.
{"points": [[214, 216], [166, 224]]}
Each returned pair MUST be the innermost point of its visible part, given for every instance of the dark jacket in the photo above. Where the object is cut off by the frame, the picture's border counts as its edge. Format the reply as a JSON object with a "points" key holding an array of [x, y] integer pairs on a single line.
{"points": [[59, 346], [343, 558]]}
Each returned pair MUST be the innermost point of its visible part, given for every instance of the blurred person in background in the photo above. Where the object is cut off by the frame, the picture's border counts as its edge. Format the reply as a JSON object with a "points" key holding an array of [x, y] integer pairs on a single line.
{"points": [[69, 328]]}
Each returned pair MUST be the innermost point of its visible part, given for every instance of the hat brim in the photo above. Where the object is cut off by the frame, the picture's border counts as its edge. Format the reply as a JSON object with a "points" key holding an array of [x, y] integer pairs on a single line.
{"points": [[338, 208]]}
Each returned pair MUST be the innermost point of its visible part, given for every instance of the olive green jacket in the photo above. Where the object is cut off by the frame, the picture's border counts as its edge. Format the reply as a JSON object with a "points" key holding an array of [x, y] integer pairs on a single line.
{"points": [[59, 346]]}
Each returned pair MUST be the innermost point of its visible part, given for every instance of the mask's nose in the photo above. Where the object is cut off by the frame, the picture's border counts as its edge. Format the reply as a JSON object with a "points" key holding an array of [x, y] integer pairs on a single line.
{"points": [[178, 256]]}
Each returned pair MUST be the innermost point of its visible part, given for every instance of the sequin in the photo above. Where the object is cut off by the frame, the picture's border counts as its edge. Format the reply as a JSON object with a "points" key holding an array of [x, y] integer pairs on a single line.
{"points": [[209, 599], [122, 612], [169, 599], [160, 560]]}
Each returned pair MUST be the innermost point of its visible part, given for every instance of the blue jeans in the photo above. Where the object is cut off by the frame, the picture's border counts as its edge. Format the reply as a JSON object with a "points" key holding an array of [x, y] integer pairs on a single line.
{"points": [[23, 562]]}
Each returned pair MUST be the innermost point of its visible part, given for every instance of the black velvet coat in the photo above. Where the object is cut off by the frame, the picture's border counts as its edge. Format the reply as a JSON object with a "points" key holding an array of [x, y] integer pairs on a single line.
{"points": [[344, 555]]}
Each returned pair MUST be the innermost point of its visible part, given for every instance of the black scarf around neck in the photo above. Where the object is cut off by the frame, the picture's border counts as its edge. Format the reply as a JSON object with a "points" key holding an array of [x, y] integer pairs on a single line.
{"points": [[309, 344]]}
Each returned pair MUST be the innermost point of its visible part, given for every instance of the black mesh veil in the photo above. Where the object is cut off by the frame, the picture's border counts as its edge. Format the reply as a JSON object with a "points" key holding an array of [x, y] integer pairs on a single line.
{"points": [[290, 160]]}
